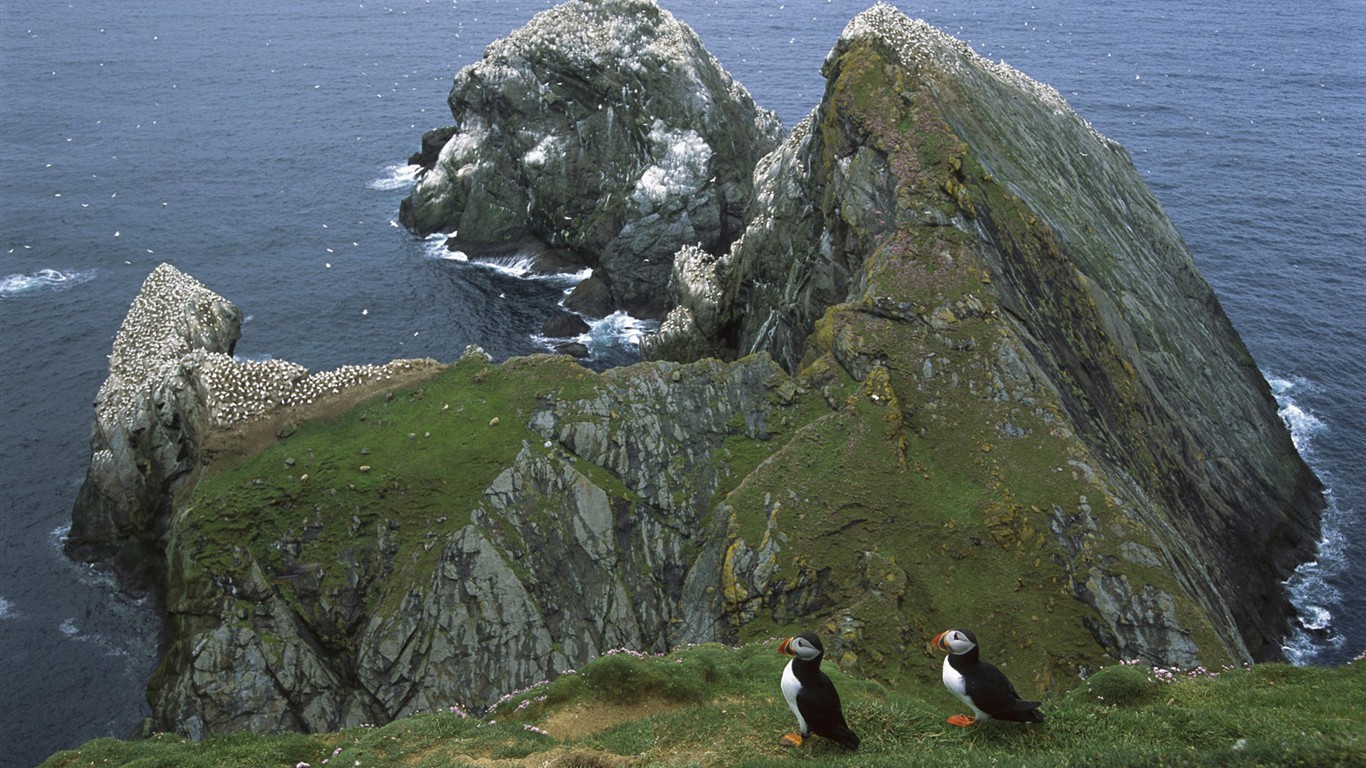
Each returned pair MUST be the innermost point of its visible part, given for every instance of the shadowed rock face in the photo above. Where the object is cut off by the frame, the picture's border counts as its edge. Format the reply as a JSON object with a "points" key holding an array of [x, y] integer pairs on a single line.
{"points": [[603, 131], [958, 369]]}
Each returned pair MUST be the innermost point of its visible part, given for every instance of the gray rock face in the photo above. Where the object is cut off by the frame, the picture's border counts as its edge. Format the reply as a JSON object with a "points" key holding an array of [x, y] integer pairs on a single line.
{"points": [[605, 131], [550, 572], [150, 419]]}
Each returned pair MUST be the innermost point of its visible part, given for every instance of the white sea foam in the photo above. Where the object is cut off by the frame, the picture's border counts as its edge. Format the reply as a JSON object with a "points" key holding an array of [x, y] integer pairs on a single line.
{"points": [[1302, 424], [396, 177], [615, 337], [7, 610], [69, 628], [619, 329], [16, 285], [518, 265], [1311, 585]]}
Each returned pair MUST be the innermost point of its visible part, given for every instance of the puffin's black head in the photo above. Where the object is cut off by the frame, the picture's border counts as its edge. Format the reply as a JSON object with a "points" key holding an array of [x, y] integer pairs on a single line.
{"points": [[955, 641], [805, 646]]}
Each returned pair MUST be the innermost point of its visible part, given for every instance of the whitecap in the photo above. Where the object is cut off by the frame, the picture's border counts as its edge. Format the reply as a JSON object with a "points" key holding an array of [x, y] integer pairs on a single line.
{"points": [[69, 628], [7, 610], [16, 285], [517, 266], [396, 177]]}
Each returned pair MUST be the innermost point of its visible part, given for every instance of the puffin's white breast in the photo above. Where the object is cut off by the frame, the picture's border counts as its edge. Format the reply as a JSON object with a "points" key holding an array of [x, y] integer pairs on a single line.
{"points": [[790, 687], [953, 680]]}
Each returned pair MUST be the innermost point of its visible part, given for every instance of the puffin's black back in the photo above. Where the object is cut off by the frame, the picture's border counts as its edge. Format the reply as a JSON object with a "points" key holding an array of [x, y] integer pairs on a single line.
{"points": [[991, 691]]}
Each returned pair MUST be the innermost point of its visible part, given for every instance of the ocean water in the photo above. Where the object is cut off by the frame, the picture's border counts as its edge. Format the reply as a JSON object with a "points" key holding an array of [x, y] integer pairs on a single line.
{"points": [[261, 149]]}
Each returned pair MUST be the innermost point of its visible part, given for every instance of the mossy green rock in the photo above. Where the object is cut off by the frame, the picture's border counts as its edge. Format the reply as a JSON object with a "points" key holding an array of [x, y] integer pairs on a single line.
{"points": [[1066, 381]]}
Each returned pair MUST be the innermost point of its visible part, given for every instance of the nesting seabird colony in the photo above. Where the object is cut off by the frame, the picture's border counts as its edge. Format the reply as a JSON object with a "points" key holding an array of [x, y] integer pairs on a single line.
{"points": [[916, 41], [176, 324]]}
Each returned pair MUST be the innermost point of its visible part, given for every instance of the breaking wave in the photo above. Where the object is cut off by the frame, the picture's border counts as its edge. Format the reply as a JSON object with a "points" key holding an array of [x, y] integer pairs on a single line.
{"points": [[17, 285], [523, 266], [612, 340], [396, 177], [1311, 585]]}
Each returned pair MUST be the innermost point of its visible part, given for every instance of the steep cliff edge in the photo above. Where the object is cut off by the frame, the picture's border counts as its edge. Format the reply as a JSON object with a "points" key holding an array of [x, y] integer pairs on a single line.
{"points": [[954, 222], [922, 389], [602, 134]]}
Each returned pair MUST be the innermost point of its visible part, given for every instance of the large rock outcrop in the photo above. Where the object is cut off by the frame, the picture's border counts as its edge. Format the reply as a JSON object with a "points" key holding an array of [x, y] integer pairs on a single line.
{"points": [[958, 370], [940, 214], [149, 424], [602, 133], [175, 396]]}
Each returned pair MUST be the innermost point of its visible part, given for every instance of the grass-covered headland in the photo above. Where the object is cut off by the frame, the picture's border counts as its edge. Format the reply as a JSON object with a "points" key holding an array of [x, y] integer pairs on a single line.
{"points": [[711, 705]]}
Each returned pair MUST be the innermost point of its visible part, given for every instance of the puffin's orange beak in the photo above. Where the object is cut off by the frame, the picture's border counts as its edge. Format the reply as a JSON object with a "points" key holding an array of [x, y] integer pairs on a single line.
{"points": [[783, 649], [938, 641]]}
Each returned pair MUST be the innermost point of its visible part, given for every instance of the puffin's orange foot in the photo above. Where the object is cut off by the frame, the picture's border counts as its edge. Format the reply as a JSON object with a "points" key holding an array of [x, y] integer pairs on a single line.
{"points": [[962, 721], [791, 740]]}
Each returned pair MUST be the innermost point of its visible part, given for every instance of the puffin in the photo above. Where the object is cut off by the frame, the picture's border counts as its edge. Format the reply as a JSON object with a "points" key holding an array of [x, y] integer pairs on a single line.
{"points": [[978, 684], [811, 695]]}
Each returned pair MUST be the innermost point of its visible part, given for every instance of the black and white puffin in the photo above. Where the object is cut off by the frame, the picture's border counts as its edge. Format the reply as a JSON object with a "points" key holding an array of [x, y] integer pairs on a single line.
{"points": [[811, 695], [978, 684]]}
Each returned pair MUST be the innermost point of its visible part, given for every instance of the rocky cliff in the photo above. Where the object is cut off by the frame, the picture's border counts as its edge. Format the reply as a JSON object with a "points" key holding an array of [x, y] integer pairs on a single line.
{"points": [[174, 397], [955, 223], [958, 369], [603, 134]]}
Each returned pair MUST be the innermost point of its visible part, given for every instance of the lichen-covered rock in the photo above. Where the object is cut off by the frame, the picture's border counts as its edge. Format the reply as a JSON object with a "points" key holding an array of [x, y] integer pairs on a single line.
{"points": [[592, 537], [939, 196], [604, 130]]}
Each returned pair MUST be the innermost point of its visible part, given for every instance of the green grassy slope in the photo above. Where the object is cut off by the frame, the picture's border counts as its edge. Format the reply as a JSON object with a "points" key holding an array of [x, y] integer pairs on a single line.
{"points": [[716, 706]]}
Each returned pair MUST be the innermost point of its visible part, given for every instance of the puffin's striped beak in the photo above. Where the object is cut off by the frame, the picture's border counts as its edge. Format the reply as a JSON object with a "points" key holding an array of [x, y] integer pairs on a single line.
{"points": [[784, 648], [938, 641]]}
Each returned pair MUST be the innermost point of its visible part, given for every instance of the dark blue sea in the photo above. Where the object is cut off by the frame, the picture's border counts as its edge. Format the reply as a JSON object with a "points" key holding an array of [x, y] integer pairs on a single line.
{"points": [[261, 147]]}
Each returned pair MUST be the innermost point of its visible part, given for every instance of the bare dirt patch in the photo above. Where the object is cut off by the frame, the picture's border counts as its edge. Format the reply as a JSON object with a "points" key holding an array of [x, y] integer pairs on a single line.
{"points": [[581, 720]]}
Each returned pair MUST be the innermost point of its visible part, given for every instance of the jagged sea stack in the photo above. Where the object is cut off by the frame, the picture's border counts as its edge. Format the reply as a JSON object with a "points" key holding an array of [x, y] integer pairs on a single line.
{"points": [[602, 133], [142, 450], [953, 225]]}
